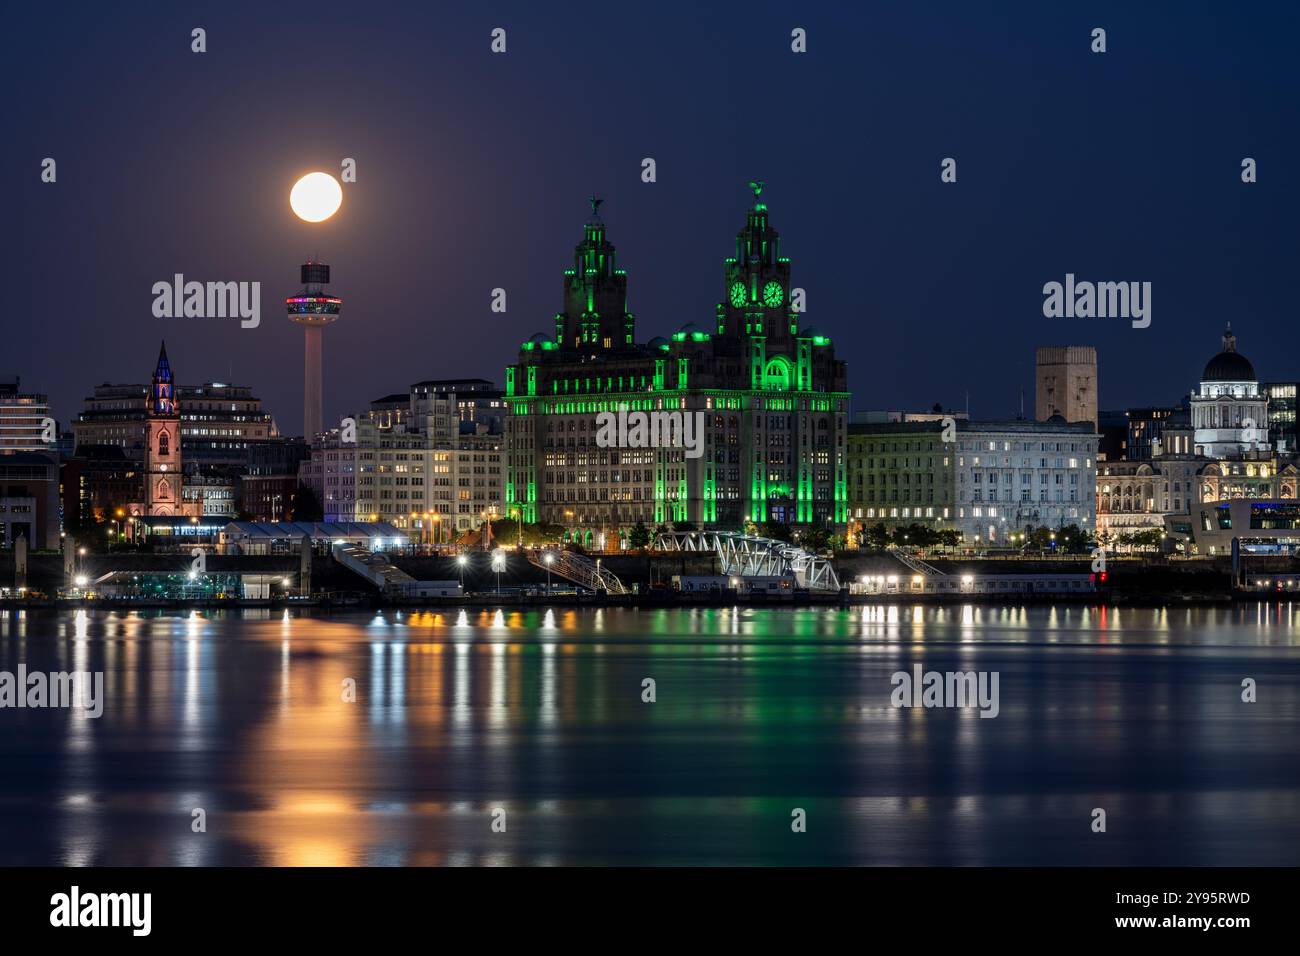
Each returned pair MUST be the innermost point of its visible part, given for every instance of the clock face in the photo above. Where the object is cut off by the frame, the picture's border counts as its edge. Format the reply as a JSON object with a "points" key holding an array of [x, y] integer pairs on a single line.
{"points": [[772, 295], [737, 294]]}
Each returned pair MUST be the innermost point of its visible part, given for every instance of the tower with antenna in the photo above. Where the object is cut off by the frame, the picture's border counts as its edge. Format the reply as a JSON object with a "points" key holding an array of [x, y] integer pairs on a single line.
{"points": [[313, 310]]}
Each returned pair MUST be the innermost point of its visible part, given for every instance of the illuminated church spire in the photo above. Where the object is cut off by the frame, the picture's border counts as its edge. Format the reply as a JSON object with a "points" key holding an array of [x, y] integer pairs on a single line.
{"points": [[162, 450], [162, 391]]}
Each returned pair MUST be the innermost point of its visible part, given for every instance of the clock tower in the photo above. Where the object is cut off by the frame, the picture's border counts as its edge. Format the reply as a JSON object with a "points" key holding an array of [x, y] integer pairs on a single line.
{"points": [[595, 318], [756, 297], [162, 454]]}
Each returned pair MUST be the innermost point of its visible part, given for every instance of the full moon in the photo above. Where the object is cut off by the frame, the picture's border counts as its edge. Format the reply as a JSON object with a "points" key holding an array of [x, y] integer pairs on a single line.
{"points": [[316, 197]]}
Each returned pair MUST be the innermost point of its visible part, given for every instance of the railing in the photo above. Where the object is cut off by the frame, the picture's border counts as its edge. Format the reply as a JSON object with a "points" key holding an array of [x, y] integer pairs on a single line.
{"points": [[373, 566], [580, 570], [755, 557], [914, 563]]}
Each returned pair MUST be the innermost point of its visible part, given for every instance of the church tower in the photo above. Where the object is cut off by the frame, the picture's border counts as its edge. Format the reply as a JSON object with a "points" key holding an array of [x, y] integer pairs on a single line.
{"points": [[162, 455]]}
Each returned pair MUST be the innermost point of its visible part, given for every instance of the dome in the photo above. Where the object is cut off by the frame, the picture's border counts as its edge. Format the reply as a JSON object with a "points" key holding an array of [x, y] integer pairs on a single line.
{"points": [[808, 332], [539, 337], [688, 328], [658, 342], [1229, 365]]}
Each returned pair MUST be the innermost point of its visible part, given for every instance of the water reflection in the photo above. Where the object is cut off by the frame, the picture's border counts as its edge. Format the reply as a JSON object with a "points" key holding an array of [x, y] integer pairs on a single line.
{"points": [[539, 712]]}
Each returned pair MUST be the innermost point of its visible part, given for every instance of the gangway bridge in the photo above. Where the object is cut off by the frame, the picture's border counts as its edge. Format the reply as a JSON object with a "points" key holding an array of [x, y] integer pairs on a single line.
{"points": [[738, 555], [913, 563], [749, 556], [376, 568], [578, 568]]}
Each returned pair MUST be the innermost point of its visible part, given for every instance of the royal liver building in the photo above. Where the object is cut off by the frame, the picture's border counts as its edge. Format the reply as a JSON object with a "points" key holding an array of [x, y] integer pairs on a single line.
{"points": [[741, 418]]}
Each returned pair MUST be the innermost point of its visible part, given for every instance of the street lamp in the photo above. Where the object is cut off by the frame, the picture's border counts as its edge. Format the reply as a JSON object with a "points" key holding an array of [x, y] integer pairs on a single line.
{"points": [[549, 559], [460, 560], [498, 565]]}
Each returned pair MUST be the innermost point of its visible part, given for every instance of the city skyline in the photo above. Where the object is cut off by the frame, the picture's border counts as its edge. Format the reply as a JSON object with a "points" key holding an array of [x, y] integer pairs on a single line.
{"points": [[759, 435], [447, 208], [354, 405]]}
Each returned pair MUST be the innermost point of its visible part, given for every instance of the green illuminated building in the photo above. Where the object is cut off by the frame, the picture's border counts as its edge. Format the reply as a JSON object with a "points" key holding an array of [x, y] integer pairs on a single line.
{"points": [[772, 396]]}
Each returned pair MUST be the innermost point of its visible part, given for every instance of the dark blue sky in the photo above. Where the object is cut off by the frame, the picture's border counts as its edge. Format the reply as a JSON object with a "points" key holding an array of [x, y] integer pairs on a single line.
{"points": [[473, 170]]}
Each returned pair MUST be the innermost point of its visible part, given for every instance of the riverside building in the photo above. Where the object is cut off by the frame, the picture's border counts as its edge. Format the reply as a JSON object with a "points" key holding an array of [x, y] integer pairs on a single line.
{"points": [[430, 466], [770, 394], [990, 479]]}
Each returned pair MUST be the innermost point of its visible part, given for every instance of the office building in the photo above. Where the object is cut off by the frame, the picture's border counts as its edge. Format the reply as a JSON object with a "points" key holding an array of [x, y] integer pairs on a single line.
{"points": [[993, 478], [1281, 416], [29, 499], [765, 387], [431, 465], [25, 423]]}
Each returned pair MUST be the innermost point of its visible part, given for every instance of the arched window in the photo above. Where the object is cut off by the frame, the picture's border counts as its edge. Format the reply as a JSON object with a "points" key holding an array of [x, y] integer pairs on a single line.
{"points": [[776, 376], [164, 446]]}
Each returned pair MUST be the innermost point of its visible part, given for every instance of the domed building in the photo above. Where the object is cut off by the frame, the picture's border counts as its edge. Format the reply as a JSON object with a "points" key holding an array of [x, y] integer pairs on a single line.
{"points": [[1230, 410]]}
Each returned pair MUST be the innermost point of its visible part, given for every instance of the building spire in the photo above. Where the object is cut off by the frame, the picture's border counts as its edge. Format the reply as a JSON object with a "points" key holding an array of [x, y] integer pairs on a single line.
{"points": [[594, 202], [162, 392], [1229, 340], [163, 371]]}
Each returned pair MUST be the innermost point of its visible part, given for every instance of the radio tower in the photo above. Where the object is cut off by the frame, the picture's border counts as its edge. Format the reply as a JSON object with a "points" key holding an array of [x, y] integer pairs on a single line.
{"points": [[313, 310]]}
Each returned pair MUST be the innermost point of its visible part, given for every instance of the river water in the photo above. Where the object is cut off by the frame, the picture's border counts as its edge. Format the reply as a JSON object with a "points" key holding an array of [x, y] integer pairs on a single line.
{"points": [[417, 738]]}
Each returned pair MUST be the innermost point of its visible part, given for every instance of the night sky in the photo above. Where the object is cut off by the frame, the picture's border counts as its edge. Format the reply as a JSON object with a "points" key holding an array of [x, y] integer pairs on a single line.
{"points": [[474, 168]]}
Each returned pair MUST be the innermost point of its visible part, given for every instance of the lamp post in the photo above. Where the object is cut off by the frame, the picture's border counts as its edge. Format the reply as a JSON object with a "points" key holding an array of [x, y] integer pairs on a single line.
{"points": [[498, 565], [460, 560], [549, 559]]}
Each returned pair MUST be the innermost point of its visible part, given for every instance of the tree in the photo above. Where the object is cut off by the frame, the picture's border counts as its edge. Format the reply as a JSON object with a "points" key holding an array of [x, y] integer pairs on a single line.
{"points": [[1147, 538], [1039, 539], [506, 531], [774, 530], [639, 536], [1074, 540], [818, 539], [305, 506], [877, 537]]}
